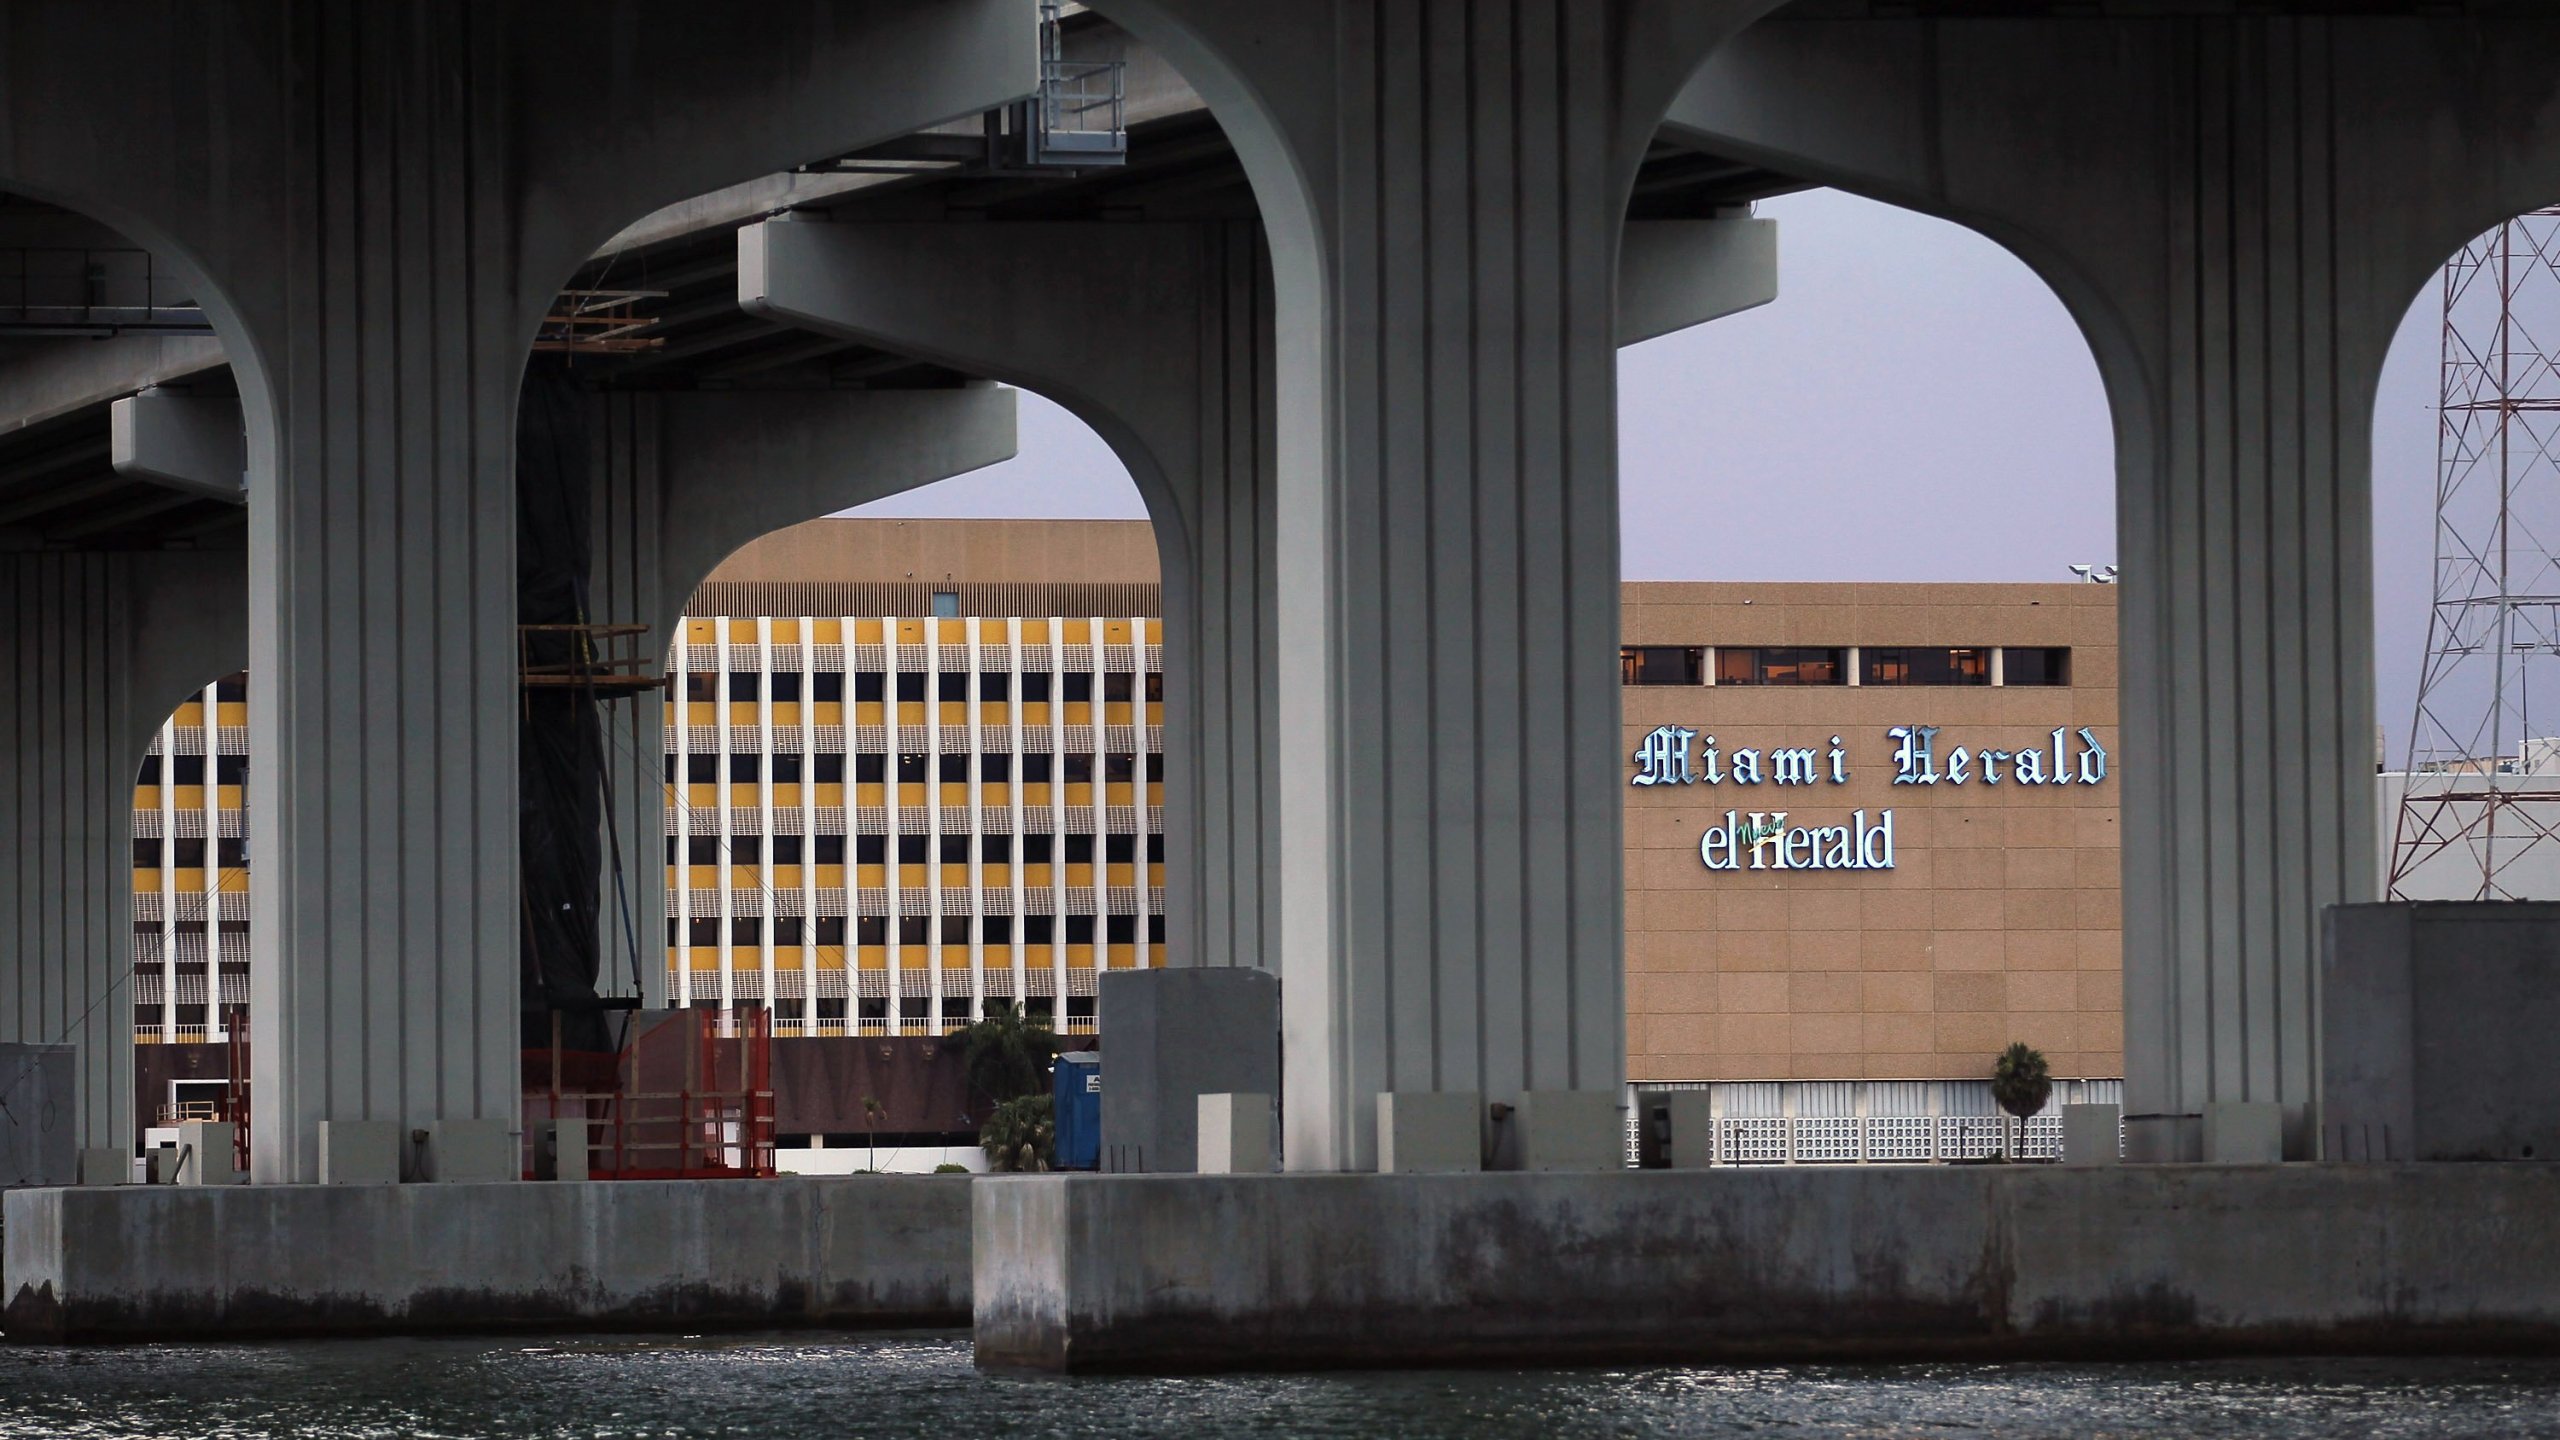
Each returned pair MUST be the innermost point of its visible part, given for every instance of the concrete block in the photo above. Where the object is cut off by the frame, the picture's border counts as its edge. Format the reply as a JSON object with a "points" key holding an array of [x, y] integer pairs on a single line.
{"points": [[2243, 1132], [105, 1165], [560, 1150], [359, 1152], [473, 1152], [1169, 1037], [243, 1261], [1759, 1265], [1693, 1129], [1570, 1130], [1235, 1134], [206, 1149], [1422, 1132], [2089, 1134], [160, 1165]]}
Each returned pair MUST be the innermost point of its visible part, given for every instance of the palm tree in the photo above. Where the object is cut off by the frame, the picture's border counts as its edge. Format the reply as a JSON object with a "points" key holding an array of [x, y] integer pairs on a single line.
{"points": [[1007, 1054], [1021, 1135], [872, 1110], [2020, 1084]]}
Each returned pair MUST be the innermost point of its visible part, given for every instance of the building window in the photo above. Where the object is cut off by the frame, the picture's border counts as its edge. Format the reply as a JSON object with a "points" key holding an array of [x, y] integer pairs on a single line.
{"points": [[955, 929], [1039, 929], [995, 849], [702, 769], [1155, 929], [1079, 849], [186, 769], [1119, 849], [1120, 766], [186, 854], [954, 769], [1035, 769], [1079, 769], [869, 930], [702, 931], [1778, 665], [786, 685], [827, 849], [231, 854], [911, 849], [1662, 664], [946, 604], [1079, 686], [911, 685], [1924, 665], [995, 769], [701, 850], [672, 932], [746, 849], [786, 849], [1079, 929], [994, 685], [952, 685], [150, 772], [1155, 849], [2035, 665], [234, 691], [868, 687], [827, 687], [1115, 686], [701, 688], [146, 854], [1036, 848], [786, 769], [743, 769], [1122, 930], [955, 849], [867, 850], [746, 930], [786, 929], [914, 930], [996, 929], [1035, 687], [230, 769], [1155, 687], [742, 685], [910, 769], [1079, 1007], [831, 1007]]}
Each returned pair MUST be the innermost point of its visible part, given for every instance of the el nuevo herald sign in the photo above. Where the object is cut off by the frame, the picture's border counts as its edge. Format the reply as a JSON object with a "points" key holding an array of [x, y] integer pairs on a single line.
{"points": [[1763, 840]]}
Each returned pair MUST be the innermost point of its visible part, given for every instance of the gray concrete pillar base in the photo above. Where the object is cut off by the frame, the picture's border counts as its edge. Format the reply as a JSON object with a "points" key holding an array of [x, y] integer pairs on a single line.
{"points": [[1430, 1132]]}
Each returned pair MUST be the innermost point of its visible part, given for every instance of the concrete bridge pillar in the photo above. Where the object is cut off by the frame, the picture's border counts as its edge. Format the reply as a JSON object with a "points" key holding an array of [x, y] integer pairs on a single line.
{"points": [[1442, 185], [2238, 211], [100, 647], [681, 480]]}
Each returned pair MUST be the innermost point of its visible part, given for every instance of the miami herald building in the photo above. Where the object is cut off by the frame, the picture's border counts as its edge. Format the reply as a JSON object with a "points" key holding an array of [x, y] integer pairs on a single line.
{"points": [[914, 771]]}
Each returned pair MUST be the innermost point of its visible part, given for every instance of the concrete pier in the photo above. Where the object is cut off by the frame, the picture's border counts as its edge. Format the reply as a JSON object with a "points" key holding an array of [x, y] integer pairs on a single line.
{"points": [[139, 1263], [1171, 1273]]}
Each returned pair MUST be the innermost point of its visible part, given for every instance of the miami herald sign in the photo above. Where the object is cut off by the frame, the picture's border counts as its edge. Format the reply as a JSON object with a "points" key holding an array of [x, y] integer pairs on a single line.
{"points": [[1764, 840]]}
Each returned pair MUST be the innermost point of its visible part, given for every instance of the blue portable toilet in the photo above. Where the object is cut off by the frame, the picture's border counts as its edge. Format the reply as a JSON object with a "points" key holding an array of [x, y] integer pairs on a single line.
{"points": [[1076, 1105]]}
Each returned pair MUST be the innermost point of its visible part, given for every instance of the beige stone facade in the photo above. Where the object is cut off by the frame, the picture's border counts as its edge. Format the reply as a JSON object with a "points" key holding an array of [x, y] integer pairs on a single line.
{"points": [[1999, 919]]}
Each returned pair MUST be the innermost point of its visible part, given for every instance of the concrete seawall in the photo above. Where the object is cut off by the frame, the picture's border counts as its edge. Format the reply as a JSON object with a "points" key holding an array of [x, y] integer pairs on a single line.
{"points": [[1167, 1273], [163, 1262]]}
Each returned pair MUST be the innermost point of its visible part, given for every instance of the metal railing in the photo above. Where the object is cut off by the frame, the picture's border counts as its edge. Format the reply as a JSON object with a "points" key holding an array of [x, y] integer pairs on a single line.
{"points": [[93, 291]]}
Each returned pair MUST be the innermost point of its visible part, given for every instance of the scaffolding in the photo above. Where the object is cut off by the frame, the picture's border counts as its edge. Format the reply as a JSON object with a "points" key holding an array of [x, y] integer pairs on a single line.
{"points": [[2482, 802]]}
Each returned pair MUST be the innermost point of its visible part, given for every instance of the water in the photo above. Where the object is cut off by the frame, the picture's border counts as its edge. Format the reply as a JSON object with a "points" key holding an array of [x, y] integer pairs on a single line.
{"points": [[785, 1387]]}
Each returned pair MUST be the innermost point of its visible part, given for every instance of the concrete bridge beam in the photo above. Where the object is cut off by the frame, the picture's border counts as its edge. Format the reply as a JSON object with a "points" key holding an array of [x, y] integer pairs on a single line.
{"points": [[682, 480], [100, 647], [1158, 336], [2238, 211], [193, 443]]}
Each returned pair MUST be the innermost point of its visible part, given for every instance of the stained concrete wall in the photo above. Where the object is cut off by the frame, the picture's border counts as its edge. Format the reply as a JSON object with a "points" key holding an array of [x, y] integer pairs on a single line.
{"points": [[1165, 1272], [137, 1263]]}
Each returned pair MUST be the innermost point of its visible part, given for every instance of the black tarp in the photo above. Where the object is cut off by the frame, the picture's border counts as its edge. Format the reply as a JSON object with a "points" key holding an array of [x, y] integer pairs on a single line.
{"points": [[559, 738]]}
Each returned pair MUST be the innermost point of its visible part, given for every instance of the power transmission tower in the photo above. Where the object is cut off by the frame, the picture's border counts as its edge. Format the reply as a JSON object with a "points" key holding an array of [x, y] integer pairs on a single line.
{"points": [[2481, 813]]}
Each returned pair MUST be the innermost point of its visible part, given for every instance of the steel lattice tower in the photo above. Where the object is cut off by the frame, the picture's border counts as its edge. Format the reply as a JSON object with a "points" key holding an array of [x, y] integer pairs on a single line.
{"points": [[2484, 783]]}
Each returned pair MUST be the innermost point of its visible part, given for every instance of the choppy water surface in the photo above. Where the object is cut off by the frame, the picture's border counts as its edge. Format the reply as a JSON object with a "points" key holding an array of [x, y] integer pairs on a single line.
{"points": [[785, 1387]]}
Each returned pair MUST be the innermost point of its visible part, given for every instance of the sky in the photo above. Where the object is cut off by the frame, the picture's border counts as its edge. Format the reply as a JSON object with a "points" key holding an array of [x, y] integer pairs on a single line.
{"points": [[1916, 405]]}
